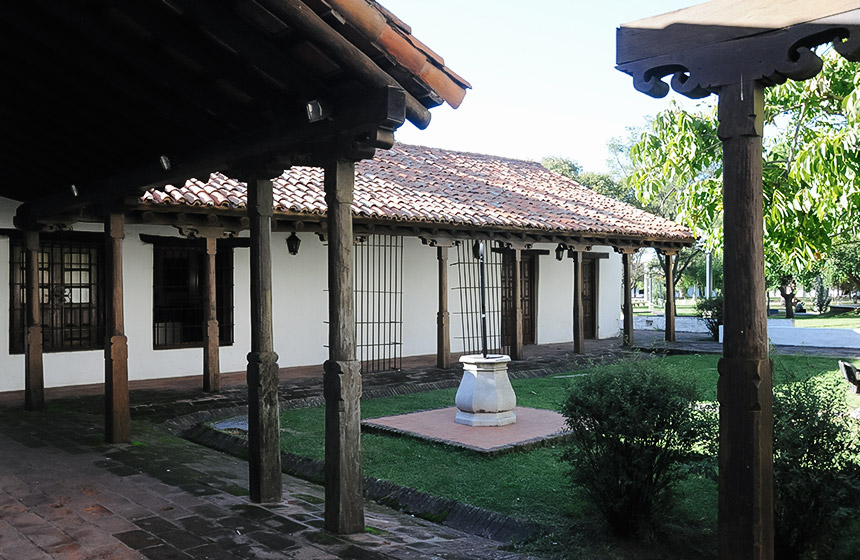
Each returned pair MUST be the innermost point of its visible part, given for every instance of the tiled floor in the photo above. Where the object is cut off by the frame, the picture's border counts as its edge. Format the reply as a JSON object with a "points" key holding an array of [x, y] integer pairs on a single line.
{"points": [[532, 426], [66, 494]]}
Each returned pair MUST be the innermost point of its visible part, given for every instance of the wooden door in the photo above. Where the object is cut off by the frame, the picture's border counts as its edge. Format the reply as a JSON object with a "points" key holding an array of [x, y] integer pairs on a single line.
{"points": [[589, 298], [528, 296]]}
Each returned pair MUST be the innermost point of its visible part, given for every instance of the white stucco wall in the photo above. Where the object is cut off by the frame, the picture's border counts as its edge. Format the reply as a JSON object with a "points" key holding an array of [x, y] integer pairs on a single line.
{"points": [[554, 298], [300, 303], [609, 317]]}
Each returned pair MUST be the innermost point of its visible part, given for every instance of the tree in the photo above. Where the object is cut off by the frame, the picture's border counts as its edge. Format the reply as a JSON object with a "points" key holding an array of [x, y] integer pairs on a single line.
{"points": [[602, 183], [843, 265], [809, 170]]}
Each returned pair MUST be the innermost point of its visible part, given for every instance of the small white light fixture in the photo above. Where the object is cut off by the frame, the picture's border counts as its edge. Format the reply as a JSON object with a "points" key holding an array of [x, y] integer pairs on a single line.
{"points": [[74, 190], [318, 110], [165, 163]]}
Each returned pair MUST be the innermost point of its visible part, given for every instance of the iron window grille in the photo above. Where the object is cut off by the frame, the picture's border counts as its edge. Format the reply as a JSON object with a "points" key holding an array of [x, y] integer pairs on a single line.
{"points": [[469, 291], [178, 298], [378, 290], [71, 277]]}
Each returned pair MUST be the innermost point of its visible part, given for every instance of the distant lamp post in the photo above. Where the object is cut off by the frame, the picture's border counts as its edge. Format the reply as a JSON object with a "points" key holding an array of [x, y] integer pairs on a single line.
{"points": [[293, 243], [559, 251]]}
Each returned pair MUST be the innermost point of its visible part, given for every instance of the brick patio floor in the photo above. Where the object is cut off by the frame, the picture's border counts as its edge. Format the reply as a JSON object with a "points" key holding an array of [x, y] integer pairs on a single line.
{"points": [[66, 494]]}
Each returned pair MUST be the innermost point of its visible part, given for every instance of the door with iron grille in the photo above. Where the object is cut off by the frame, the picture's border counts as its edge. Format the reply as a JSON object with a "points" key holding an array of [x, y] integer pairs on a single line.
{"points": [[589, 298], [378, 285]]}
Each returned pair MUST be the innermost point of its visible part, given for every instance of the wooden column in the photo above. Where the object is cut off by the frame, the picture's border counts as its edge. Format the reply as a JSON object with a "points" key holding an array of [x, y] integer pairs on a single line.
{"points": [[34, 375], [670, 299], [517, 296], [578, 322], [745, 389], [264, 452], [117, 416], [443, 328], [344, 506], [627, 282], [211, 361]]}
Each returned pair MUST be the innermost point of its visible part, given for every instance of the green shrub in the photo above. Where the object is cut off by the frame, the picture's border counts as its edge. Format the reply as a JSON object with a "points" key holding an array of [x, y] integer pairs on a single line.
{"points": [[822, 295], [815, 467], [635, 435], [711, 310]]}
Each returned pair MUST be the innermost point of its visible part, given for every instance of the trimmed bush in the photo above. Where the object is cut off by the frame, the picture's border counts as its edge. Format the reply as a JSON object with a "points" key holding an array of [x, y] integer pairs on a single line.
{"points": [[711, 310], [816, 472], [635, 435]]}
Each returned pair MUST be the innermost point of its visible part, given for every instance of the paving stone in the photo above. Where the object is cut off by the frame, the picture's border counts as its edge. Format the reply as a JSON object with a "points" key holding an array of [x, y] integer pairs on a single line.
{"points": [[138, 539], [211, 552], [164, 552], [182, 540], [155, 525]]}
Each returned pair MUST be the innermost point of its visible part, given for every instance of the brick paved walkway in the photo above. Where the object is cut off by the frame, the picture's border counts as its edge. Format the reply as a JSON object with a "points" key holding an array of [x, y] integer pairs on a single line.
{"points": [[66, 494]]}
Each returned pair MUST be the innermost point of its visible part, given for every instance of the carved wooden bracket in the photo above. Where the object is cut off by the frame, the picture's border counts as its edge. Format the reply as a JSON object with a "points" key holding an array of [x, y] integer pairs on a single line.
{"points": [[711, 56]]}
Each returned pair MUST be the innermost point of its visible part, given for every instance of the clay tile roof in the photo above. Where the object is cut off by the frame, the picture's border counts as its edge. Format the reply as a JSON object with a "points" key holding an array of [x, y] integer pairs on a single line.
{"points": [[431, 185]]}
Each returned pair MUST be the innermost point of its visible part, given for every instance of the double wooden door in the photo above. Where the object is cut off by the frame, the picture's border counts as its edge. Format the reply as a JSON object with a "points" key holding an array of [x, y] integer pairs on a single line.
{"points": [[528, 298], [589, 298]]}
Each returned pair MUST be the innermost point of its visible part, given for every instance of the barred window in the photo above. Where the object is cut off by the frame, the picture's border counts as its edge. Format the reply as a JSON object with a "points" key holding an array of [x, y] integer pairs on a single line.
{"points": [[71, 276], [178, 298]]}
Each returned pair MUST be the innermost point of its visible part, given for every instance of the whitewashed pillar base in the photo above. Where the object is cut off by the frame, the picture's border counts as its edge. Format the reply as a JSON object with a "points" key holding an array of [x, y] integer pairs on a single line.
{"points": [[485, 396]]}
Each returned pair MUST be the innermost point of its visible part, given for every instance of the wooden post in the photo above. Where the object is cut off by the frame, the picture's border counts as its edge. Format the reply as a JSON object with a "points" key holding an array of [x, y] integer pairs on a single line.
{"points": [[264, 452], [627, 282], [745, 388], [344, 505], [117, 415], [517, 295], [443, 330], [211, 335], [670, 299], [34, 375], [578, 321]]}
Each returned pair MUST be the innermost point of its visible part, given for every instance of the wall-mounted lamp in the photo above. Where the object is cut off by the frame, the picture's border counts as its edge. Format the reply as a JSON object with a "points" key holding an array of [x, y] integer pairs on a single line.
{"points": [[318, 110], [74, 190], [165, 163], [293, 243], [559, 251], [477, 250]]}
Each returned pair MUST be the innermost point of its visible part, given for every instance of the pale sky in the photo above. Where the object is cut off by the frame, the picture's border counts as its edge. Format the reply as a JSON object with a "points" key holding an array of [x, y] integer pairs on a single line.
{"points": [[542, 72]]}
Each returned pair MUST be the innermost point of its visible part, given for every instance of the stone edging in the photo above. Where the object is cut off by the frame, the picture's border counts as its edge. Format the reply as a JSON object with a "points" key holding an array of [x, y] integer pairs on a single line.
{"points": [[463, 517]]}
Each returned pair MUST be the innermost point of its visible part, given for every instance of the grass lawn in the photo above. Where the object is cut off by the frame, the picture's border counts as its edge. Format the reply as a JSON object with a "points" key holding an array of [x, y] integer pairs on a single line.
{"points": [[849, 320], [683, 308], [533, 484]]}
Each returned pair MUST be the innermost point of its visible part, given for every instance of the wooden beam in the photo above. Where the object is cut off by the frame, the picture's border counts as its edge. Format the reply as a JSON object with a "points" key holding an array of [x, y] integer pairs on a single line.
{"points": [[578, 321], [34, 375], [117, 414], [745, 389], [211, 334], [517, 294], [670, 299], [443, 329], [357, 123], [264, 451], [344, 505], [298, 15], [627, 282]]}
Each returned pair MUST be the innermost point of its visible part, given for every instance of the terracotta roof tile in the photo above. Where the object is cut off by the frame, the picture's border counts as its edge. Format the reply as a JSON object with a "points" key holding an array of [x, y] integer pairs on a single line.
{"points": [[416, 183]]}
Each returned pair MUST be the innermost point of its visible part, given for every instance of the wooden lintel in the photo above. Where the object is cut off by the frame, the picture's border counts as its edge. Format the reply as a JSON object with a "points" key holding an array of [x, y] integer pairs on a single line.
{"points": [[247, 153]]}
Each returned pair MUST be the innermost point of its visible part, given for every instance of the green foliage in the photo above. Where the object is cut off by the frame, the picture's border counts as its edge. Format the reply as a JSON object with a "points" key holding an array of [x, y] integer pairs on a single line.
{"points": [[810, 179], [711, 310], [843, 265], [601, 183], [822, 295], [563, 166], [815, 467], [633, 435]]}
